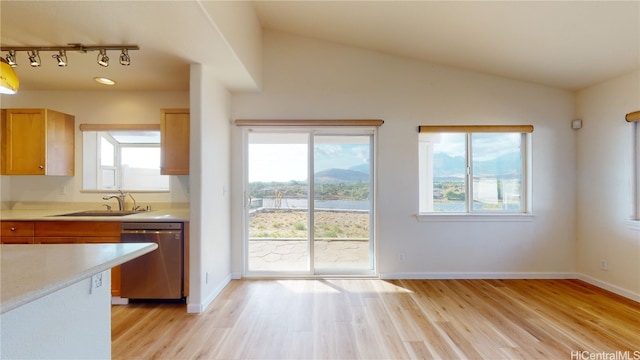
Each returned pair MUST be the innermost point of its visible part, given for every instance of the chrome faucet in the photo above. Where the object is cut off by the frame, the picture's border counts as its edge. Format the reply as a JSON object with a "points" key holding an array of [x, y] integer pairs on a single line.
{"points": [[119, 197]]}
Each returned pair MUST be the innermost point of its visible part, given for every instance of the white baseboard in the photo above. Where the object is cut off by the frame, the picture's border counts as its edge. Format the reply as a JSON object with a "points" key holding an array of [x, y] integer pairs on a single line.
{"points": [[117, 300], [201, 307], [476, 275], [609, 287], [194, 308], [236, 276]]}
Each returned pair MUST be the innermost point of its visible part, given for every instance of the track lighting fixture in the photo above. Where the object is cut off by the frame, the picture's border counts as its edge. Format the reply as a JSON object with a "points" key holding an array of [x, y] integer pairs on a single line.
{"points": [[9, 79], [34, 58], [124, 58], [103, 59], [11, 58], [61, 57], [33, 52]]}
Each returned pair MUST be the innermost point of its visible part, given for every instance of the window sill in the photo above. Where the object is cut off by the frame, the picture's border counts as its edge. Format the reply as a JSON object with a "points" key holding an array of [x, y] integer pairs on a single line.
{"points": [[474, 217], [633, 224]]}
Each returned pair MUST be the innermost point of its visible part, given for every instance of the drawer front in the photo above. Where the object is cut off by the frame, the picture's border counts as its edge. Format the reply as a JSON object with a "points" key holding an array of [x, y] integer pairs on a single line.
{"points": [[77, 228], [16, 228]]}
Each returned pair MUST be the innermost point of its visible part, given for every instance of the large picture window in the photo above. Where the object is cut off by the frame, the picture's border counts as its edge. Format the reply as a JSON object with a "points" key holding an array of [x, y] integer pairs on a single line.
{"points": [[473, 169]]}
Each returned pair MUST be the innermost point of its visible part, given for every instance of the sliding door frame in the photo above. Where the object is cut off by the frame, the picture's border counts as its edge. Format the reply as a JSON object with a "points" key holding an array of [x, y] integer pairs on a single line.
{"points": [[371, 131]]}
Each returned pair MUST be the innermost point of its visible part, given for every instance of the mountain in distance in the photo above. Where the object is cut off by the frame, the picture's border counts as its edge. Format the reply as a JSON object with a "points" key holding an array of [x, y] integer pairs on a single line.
{"points": [[506, 165], [341, 175], [447, 166], [363, 168]]}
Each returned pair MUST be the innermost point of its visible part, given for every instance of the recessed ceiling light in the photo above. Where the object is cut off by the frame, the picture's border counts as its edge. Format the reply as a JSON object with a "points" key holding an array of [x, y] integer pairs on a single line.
{"points": [[105, 81]]}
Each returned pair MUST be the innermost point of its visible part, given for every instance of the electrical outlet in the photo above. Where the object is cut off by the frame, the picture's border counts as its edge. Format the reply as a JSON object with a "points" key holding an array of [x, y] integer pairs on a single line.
{"points": [[604, 265], [206, 278], [402, 256], [96, 282]]}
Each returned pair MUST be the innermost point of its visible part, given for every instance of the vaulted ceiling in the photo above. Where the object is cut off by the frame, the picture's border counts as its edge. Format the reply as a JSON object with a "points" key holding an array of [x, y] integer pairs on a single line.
{"points": [[564, 44]]}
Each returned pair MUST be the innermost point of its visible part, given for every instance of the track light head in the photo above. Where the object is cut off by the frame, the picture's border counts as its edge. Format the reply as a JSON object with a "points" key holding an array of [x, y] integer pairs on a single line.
{"points": [[124, 58], [61, 57], [34, 58], [103, 59], [11, 58]]}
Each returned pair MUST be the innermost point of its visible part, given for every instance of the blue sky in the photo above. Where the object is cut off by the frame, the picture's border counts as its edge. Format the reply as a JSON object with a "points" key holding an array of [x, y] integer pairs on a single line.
{"points": [[485, 145], [340, 156], [285, 162]]}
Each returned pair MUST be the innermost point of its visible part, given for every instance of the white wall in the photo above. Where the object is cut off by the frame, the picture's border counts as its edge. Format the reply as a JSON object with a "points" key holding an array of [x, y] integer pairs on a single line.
{"points": [[91, 107], [239, 25], [604, 181], [71, 323], [210, 252], [306, 79]]}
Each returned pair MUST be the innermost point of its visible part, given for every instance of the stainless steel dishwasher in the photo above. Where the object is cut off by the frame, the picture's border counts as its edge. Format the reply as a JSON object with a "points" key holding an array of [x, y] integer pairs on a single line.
{"points": [[158, 274]]}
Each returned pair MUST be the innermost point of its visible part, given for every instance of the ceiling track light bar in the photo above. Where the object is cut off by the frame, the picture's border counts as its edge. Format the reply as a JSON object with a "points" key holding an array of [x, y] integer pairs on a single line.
{"points": [[61, 57], [71, 47]]}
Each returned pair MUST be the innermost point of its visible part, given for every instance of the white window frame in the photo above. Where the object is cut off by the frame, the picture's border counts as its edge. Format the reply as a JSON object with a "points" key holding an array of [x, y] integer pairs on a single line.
{"points": [[117, 167], [426, 190], [634, 221]]}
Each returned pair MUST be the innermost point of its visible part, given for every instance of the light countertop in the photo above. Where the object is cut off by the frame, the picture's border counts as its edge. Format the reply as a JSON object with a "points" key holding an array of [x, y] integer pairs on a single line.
{"points": [[168, 215], [29, 272]]}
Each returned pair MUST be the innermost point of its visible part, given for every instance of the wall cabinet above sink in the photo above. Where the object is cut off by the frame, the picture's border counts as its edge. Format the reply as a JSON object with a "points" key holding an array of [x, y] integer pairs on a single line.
{"points": [[37, 142], [174, 141]]}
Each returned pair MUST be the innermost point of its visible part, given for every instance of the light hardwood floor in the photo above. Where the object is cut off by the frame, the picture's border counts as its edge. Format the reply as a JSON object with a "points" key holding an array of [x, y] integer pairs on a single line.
{"points": [[377, 319]]}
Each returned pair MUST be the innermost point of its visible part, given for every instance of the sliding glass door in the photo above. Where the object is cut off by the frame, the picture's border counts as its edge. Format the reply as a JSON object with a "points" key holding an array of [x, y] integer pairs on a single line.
{"points": [[309, 203], [278, 206], [342, 205]]}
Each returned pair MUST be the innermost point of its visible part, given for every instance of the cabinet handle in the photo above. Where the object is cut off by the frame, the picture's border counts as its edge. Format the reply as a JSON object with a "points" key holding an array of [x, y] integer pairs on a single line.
{"points": [[13, 228], [41, 166]]}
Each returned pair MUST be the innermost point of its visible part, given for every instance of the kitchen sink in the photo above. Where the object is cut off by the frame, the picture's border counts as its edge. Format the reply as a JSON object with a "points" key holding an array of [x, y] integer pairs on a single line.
{"points": [[100, 213]]}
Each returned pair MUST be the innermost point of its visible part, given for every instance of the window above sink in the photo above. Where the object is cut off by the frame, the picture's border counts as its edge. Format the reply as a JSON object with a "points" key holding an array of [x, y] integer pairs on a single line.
{"points": [[122, 157]]}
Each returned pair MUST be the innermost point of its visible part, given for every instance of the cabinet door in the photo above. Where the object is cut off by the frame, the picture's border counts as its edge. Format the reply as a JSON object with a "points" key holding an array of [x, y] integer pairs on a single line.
{"points": [[60, 159], [37, 142], [23, 142], [174, 142]]}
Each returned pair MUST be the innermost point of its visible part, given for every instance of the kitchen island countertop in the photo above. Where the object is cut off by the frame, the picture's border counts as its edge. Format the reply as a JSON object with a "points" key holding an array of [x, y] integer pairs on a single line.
{"points": [[30, 272]]}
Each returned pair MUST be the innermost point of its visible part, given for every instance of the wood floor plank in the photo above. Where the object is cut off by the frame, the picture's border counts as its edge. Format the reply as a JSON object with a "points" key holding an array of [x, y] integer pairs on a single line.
{"points": [[377, 319], [418, 350]]}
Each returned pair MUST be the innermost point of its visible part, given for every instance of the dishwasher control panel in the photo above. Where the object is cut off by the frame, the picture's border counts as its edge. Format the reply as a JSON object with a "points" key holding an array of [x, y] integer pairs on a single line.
{"points": [[151, 226]]}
